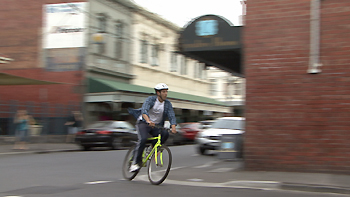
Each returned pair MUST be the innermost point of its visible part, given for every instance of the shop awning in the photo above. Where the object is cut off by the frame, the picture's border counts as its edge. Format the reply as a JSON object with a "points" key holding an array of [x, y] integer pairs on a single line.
{"points": [[213, 40], [8, 79], [98, 85]]}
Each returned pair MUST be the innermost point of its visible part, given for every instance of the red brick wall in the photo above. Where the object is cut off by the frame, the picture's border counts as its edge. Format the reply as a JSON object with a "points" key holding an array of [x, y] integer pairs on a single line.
{"points": [[65, 93], [21, 35], [297, 121]]}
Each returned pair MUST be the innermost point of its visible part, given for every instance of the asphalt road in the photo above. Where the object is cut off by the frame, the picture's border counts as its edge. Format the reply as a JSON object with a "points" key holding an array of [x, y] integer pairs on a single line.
{"points": [[98, 173]]}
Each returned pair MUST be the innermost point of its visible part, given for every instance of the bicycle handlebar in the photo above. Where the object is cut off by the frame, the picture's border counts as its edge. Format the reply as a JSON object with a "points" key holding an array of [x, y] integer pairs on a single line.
{"points": [[162, 127]]}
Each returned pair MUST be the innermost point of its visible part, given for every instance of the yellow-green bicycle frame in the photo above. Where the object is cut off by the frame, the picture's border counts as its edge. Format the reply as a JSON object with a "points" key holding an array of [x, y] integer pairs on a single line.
{"points": [[153, 151]]}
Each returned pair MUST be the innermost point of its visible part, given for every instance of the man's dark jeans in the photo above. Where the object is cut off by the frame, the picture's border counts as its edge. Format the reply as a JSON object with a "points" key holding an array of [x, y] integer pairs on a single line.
{"points": [[144, 130]]}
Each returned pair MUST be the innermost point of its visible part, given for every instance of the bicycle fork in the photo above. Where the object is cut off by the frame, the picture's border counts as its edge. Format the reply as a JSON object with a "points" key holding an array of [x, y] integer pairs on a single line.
{"points": [[160, 153]]}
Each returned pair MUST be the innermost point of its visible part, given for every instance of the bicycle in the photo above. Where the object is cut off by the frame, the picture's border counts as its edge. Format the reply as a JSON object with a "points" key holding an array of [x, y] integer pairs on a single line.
{"points": [[159, 161]]}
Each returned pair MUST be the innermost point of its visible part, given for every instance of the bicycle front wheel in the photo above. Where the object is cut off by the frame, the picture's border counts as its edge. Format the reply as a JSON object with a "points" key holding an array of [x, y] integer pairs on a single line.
{"points": [[159, 167], [127, 163]]}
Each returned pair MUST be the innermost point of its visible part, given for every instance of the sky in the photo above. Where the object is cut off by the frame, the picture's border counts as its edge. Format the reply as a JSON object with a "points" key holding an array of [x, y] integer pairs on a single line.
{"points": [[180, 12]]}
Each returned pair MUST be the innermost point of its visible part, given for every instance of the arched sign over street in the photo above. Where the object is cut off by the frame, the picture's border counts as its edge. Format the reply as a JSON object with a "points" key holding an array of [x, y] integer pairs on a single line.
{"points": [[213, 40]]}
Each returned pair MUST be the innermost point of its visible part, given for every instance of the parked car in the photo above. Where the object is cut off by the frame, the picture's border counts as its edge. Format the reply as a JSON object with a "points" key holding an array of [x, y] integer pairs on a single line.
{"points": [[189, 130], [174, 138], [113, 134], [210, 139]]}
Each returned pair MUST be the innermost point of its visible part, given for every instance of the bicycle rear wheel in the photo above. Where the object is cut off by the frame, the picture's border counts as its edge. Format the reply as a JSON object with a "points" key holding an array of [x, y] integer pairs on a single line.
{"points": [[157, 172], [127, 163]]}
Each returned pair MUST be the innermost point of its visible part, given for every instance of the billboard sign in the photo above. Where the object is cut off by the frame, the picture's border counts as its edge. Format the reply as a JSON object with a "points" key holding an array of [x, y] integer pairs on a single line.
{"points": [[65, 59], [65, 25]]}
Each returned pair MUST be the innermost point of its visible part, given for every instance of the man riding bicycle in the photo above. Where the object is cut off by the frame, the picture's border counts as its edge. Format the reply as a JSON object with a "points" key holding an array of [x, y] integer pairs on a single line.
{"points": [[154, 111]]}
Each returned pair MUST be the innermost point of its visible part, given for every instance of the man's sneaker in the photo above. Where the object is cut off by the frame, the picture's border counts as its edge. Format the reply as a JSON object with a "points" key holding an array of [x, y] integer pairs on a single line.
{"points": [[134, 168]]}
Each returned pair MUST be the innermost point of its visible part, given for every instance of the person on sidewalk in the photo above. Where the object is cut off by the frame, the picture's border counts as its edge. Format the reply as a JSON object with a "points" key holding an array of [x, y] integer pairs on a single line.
{"points": [[155, 110], [74, 123], [23, 122]]}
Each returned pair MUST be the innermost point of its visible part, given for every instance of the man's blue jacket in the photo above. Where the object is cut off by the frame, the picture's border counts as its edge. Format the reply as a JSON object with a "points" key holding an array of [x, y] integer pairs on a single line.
{"points": [[148, 104]]}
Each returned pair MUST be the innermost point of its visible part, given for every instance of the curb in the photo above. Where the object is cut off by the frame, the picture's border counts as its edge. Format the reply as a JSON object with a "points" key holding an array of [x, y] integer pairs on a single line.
{"points": [[314, 188], [52, 151], [38, 152]]}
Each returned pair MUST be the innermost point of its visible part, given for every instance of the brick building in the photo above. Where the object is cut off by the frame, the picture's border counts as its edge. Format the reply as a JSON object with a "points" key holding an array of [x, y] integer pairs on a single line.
{"points": [[21, 40], [298, 113]]}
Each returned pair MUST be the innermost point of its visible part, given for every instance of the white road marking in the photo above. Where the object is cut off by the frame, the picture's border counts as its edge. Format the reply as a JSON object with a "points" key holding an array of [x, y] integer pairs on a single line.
{"points": [[222, 170], [97, 182], [12, 196], [195, 180], [208, 164]]}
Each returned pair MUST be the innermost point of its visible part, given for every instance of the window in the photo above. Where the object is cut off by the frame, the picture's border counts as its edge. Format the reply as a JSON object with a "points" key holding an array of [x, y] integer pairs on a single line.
{"points": [[238, 88], [201, 71], [173, 63], [119, 31], [204, 71], [154, 57], [102, 26], [213, 87], [183, 68], [229, 89], [196, 70], [143, 51]]}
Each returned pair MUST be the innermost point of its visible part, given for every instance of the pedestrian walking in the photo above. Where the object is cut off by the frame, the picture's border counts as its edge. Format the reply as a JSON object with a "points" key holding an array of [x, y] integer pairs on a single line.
{"points": [[74, 123], [23, 122]]}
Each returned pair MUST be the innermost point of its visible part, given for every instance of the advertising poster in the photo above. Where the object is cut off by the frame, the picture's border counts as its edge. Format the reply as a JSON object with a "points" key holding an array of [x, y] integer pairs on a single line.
{"points": [[64, 36], [65, 25]]}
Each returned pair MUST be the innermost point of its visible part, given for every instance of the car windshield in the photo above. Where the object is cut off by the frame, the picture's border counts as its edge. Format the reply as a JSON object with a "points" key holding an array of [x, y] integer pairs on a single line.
{"points": [[101, 124], [229, 124]]}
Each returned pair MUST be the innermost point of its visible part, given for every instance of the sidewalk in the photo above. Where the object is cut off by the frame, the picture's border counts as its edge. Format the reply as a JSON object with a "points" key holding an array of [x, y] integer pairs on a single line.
{"points": [[222, 173], [7, 149], [231, 173]]}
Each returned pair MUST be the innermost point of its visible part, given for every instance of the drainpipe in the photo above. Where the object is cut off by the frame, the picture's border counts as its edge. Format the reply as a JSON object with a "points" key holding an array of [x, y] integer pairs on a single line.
{"points": [[314, 57]]}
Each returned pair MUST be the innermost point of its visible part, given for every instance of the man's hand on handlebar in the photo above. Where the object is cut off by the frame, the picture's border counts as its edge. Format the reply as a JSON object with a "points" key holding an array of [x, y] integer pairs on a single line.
{"points": [[173, 129], [151, 124]]}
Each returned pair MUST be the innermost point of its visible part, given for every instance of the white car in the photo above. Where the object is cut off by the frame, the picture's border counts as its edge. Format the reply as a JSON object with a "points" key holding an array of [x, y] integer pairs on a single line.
{"points": [[210, 139]]}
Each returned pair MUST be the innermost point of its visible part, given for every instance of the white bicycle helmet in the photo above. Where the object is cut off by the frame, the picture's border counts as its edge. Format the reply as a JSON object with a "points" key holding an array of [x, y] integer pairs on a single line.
{"points": [[161, 86]]}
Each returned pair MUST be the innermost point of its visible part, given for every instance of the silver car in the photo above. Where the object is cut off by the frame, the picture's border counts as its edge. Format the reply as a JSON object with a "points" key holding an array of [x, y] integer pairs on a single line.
{"points": [[210, 139]]}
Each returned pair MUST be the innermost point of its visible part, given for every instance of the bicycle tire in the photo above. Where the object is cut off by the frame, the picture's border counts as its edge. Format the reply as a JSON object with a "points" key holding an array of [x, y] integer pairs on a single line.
{"points": [[126, 165], [157, 174]]}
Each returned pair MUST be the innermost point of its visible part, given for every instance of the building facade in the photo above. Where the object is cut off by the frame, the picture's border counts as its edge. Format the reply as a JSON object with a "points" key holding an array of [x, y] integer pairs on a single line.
{"points": [[105, 55], [149, 58], [155, 59], [227, 88], [297, 97]]}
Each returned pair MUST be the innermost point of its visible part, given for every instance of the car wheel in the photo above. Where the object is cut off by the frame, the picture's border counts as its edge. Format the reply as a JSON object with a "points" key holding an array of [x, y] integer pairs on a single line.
{"points": [[116, 143], [202, 150], [86, 148]]}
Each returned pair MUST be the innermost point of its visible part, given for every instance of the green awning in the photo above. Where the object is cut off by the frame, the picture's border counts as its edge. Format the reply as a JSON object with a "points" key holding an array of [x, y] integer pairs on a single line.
{"points": [[7, 79], [97, 85]]}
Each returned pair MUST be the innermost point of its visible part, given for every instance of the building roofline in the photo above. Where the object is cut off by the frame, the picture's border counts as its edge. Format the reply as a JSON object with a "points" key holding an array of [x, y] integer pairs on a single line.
{"points": [[153, 16]]}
